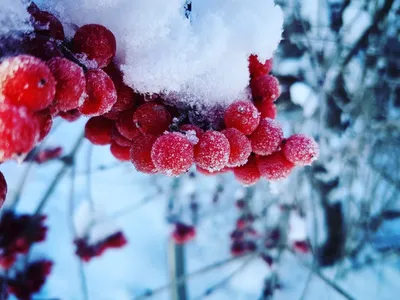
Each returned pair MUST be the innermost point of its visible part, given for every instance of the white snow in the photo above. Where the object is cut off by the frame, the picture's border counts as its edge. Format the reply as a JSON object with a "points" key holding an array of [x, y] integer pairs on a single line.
{"points": [[303, 95], [13, 17]]}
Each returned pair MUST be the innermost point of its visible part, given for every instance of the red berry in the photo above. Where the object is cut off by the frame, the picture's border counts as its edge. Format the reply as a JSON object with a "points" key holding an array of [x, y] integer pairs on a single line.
{"points": [[267, 109], [119, 152], [19, 131], [301, 149], [3, 189], [126, 127], [101, 94], [45, 120], [42, 47], [274, 166], [47, 24], [112, 115], [48, 154], [212, 151], [119, 139], [242, 115], [249, 173], [210, 173], [152, 118], [183, 233], [265, 88], [240, 147], [172, 154], [71, 115], [189, 127], [301, 246], [238, 248], [141, 154], [26, 80], [71, 84], [267, 137], [97, 43], [98, 130], [125, 95], [257, 68]]}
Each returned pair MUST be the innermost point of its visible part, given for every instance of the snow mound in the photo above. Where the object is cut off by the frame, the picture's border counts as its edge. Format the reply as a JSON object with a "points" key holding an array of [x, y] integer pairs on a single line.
{"points": [[13, 17]]}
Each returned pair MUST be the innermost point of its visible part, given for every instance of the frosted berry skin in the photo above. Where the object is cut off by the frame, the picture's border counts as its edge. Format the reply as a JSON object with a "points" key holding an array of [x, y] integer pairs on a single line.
{"points": [[265, 88], [212, 151], [212, 173], [257, 68], [172, 154], [26, 80], [240, 147], [189, 127], [71, 115], [119, 152], [45, 121], [3, 189], [97, 43], [101, 94], [267, 109], [19, 131], [242, 115], [119, 139], [274, 166], [267, 138], [71, 84], [47, 24], [300, 149], [98, 130], [152, 118], [126, 127], [249, 173], [141, 154]]}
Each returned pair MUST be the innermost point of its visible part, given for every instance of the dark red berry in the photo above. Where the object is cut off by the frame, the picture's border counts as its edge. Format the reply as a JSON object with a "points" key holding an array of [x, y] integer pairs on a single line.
{"points": [[274, 166], [47, 24], [26, 80], [267, 137], [267, 109], [42, 47], [126, 127], [257, 68], [152, 118], [3, 189], [119, 152], [71, 115], [45, 121], [240, 147], [98, 130], [141, 154], [249, 173], [242, 115], [265, 88], [183, 233], [119, 139]]}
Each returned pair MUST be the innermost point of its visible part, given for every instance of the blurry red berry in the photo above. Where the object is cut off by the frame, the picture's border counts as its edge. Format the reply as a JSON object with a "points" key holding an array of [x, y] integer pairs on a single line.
{"points": [[3, 189], [126, 127], [141, 154], [212, 151], [172, 154], [249, 173], [119, 139], [267, 109], [46, 155], [119, 152], [265, 88], [240, 147], [112, 115], [45, 121], [242, 115], [274, 166], [97, 43], [19, 131], [71, 84], [101, 94], [183, 233], [238, 248], [267, 138], [98, 130], [116, 240], [300, 149], [47, 24], [71, 115], [26, 80], [152, 118], [257, 68], [301, 246]]}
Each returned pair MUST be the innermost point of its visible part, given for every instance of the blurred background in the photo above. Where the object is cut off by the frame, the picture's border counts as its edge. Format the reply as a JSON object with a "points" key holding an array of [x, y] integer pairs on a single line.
{"points": [[330, 231]]}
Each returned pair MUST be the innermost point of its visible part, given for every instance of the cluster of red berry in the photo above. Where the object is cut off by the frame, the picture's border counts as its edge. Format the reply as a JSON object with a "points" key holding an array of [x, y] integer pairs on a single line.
{"points": [[17, 235], [87, 251]]}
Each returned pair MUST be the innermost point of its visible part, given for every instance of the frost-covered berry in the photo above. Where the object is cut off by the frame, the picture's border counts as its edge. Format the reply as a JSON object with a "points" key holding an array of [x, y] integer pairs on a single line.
{"points": [[120, 152], [101, 94], [126, 127], [183, 233], [172, 154], [3, 189], [267, 137], [125, 95], [257, 68], [19, 131], [45, 121], [47, 24], [267, 109], [141, 154], [242, 115], [71, 115], [152, 118], [190, 127], [249, 173], [98, 130], [212, 173], [96, 43], [274, 166], [26, 80], [71, 84], [120, 139], [265, 88], [212, 151], [240, 147], [300, 149]]}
